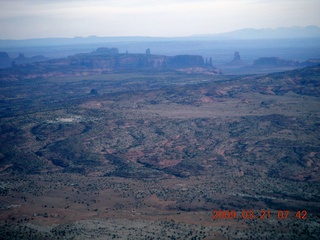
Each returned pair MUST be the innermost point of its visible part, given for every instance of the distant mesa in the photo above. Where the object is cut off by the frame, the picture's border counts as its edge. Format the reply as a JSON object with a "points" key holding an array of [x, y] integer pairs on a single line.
{"points": [[274, 62], [111, 60], [181, 61], [117, 61], [4, 56], [5, 60], [106, 51], [311, 62], [265, 63], [22, 59], [106, 60], [38, 58]]}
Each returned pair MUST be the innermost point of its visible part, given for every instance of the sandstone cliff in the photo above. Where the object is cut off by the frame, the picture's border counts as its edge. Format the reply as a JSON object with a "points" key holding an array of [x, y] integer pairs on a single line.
{"points": [[111, 59], [4, 60], [236, 62], [274, 62], [105, 60]]}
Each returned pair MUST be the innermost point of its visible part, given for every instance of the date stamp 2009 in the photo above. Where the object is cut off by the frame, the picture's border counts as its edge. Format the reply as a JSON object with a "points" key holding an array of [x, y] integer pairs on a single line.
{"points": [[262, 214]]}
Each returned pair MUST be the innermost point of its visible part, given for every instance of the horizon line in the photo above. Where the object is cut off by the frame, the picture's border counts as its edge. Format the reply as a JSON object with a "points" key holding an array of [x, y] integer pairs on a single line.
{"points": [[160, 37]]}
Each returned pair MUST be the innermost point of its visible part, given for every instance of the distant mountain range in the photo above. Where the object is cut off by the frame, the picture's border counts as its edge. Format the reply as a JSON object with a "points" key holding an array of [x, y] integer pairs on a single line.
{"points": [[247, 33], [269, 33]]}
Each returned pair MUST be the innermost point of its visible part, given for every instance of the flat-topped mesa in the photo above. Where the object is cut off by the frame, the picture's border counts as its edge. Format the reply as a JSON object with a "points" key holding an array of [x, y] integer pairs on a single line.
{"points": [[110, 58], [106, 51], [5, 60], [185, 61], [107, 60], [274, 62]]}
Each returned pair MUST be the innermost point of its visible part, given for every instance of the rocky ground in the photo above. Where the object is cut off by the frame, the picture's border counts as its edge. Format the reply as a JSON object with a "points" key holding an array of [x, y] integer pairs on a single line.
{"points": [[150, 155]]}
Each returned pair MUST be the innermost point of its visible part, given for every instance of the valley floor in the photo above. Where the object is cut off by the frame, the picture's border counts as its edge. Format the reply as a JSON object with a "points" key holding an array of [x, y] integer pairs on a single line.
{"points": [[162, 155]]}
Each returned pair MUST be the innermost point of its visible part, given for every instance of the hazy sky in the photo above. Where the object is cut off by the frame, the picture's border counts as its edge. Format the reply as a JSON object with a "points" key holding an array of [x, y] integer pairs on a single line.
{"points": [[69, 18]]}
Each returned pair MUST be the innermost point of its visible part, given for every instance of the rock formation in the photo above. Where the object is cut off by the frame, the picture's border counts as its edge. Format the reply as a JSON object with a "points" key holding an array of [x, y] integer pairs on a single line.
{"points": [[274, 62], [236, 60], [310, 62], [105, 60], [5, 61], [185, 61], [106, 51], [236, 57]]}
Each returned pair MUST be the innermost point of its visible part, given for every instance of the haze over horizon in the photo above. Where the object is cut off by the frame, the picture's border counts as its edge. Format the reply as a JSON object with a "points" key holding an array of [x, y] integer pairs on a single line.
{"points": [[174, 18]]}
